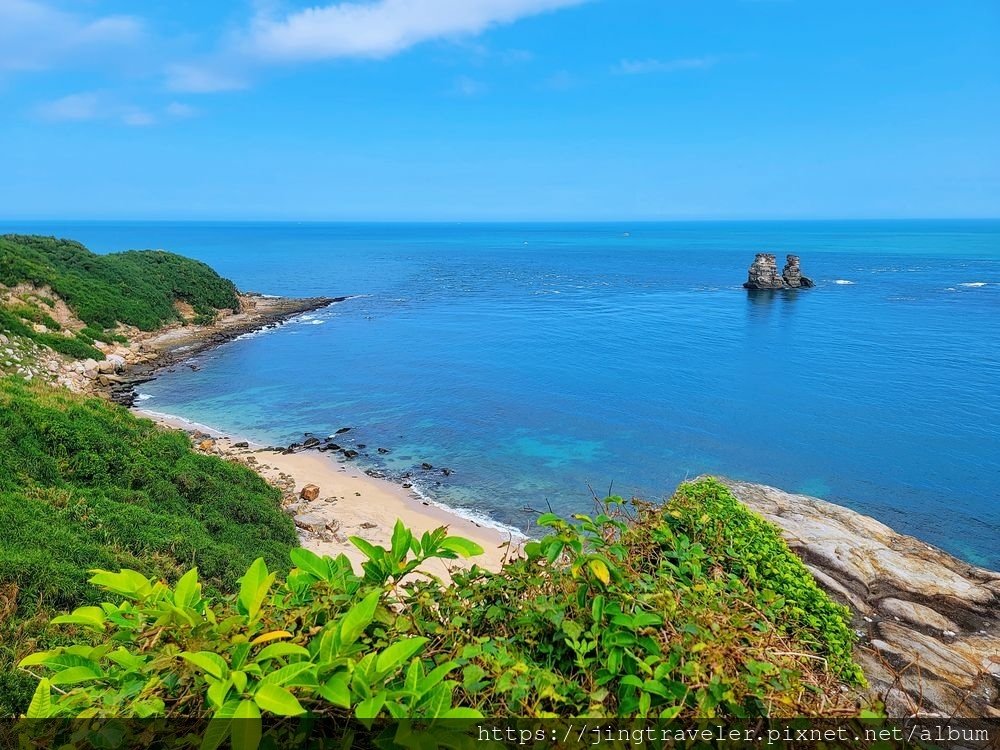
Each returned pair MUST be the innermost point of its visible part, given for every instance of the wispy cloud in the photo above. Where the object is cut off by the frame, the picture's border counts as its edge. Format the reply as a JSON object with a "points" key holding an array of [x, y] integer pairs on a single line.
{"points": [[652, 65], [466, 86], [382, 28], [37, 36], [561, 80], [180, 110], [88, 106], [74, 107], [203, 78]]}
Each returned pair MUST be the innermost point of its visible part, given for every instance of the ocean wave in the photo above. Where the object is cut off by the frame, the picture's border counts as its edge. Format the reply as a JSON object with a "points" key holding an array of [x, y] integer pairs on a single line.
{"points": [[842, 281], [477, 517], [143, 396], [973, 283]]}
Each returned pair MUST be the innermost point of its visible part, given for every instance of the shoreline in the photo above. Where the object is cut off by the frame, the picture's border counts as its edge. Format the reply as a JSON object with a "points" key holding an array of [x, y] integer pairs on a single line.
{"points": [[349, 502], [170, 346]]}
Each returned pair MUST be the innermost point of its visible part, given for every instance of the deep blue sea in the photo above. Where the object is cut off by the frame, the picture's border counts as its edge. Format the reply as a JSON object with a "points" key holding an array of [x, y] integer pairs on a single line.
{"points": [[538, 361]]}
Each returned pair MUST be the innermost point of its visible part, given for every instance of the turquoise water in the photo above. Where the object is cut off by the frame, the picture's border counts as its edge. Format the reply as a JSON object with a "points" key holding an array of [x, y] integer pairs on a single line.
{"points": [[537, 361]]}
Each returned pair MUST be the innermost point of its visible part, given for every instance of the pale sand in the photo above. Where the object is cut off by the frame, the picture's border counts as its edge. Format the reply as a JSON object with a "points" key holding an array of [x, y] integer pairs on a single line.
{"points": [[355, 503]]}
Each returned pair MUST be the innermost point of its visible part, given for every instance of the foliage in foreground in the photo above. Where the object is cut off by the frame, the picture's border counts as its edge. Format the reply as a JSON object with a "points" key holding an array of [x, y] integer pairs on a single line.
{"points": [[137, 288], [640, 611], [85, 484]]}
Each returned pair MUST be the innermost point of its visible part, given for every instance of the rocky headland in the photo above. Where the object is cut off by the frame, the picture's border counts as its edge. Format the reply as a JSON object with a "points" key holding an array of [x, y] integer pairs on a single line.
{"points": [[928, 623]]}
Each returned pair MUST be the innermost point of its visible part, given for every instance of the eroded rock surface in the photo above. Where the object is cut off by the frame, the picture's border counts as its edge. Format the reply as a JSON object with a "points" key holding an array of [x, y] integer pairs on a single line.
{"points": [[929, 623], [792, 276], [763, 273]]}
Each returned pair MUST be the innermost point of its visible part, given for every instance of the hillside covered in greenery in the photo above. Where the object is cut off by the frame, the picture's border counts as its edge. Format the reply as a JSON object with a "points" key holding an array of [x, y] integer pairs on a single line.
{"points": [[138, 288], [84, 484]]}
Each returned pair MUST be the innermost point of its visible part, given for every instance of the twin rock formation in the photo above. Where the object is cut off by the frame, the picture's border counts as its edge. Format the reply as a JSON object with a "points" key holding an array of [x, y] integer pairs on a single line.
{"points": [[763, 274]]}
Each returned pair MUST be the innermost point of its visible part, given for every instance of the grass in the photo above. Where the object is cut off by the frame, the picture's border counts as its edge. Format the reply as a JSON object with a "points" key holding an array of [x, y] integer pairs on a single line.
{"points": [[85, 484], [138, 288]]}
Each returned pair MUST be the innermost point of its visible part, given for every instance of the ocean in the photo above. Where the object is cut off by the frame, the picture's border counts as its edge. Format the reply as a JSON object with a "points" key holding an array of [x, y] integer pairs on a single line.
{"points": [[545, 364]]}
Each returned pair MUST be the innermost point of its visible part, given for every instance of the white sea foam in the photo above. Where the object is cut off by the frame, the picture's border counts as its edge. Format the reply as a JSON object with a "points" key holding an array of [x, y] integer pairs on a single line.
{"points": [[973, 283], [143, 396], [842, 281], [477, 517]]}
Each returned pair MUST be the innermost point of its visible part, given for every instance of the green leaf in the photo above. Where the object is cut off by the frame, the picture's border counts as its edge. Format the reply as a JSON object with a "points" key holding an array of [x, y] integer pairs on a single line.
{"points": [[277, 700], [461, 546], [335, 690], [369, 709], [280, 649], [462, 713], [92, 617], [253, 588], [289, 674], [555, 548], [129, 583], [211, 663], [187, 592], [219, 726], [246, 729], [312, 563], [358, 618], [41, 701], [370, 550], [398, 653], [74, 675], [401, 538]]}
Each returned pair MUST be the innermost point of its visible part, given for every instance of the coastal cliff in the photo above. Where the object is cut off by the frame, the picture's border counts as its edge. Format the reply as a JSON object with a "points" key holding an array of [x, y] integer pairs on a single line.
{"points": [[928, 623]]}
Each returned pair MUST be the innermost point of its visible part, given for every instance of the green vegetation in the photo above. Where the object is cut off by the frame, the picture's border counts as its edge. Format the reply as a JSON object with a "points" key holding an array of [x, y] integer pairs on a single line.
{"points": [[138, 288], [74, 347], [640, 611], [85, 484]]}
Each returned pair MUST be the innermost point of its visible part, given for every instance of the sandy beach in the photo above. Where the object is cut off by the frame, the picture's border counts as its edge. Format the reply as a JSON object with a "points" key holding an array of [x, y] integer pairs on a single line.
{"points": [[350, 503]]}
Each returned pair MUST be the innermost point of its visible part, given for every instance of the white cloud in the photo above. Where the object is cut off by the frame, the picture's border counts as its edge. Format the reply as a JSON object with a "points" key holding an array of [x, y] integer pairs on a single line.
{"points": [[381, 28], [89, 106], [180, 110], [638, 67], [202, 79], [36, 36], [138, 118], [466, 86], [75, 107]]}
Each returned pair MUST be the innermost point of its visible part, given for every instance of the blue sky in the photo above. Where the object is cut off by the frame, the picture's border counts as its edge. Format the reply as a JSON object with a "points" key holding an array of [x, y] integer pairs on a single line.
{"points": [[499, 109]]}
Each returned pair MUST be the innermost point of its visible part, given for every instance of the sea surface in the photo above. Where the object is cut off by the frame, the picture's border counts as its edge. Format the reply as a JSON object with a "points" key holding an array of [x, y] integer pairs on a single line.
{"points": [[547, 363]]}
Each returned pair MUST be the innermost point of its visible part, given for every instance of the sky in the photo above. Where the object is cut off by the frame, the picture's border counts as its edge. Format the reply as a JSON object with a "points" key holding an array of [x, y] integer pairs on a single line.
{"points": [[499, 110]]}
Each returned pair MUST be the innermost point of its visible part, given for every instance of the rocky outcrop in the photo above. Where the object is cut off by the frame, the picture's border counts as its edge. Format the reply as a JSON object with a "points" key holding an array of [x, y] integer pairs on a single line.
{"points": [[763, 273], [792, 276], [928, 623]]}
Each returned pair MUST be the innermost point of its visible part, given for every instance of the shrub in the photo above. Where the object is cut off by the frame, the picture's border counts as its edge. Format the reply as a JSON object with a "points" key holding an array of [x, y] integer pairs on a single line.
{"points": [[621, 614], [85, 484]]}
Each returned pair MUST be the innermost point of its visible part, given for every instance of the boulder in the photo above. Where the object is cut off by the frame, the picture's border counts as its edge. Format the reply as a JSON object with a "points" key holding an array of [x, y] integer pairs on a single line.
{"points": [[241, 444], [312, 522], [206, 445], [930, 623], [309, 493]]}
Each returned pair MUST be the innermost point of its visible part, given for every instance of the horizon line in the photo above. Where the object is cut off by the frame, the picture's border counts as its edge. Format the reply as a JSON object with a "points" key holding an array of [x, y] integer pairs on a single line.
{"points": [[505, 221]]}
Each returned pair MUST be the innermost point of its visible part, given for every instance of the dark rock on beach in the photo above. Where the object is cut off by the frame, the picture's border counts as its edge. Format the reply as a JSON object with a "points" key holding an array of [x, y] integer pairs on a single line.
{"points": [[342, 430], [348, 453], [426, 466]]}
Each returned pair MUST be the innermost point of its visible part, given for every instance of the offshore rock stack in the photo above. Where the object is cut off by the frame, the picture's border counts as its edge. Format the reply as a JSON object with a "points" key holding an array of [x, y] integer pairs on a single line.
{"points": [[792, 274], [763, 273]]}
